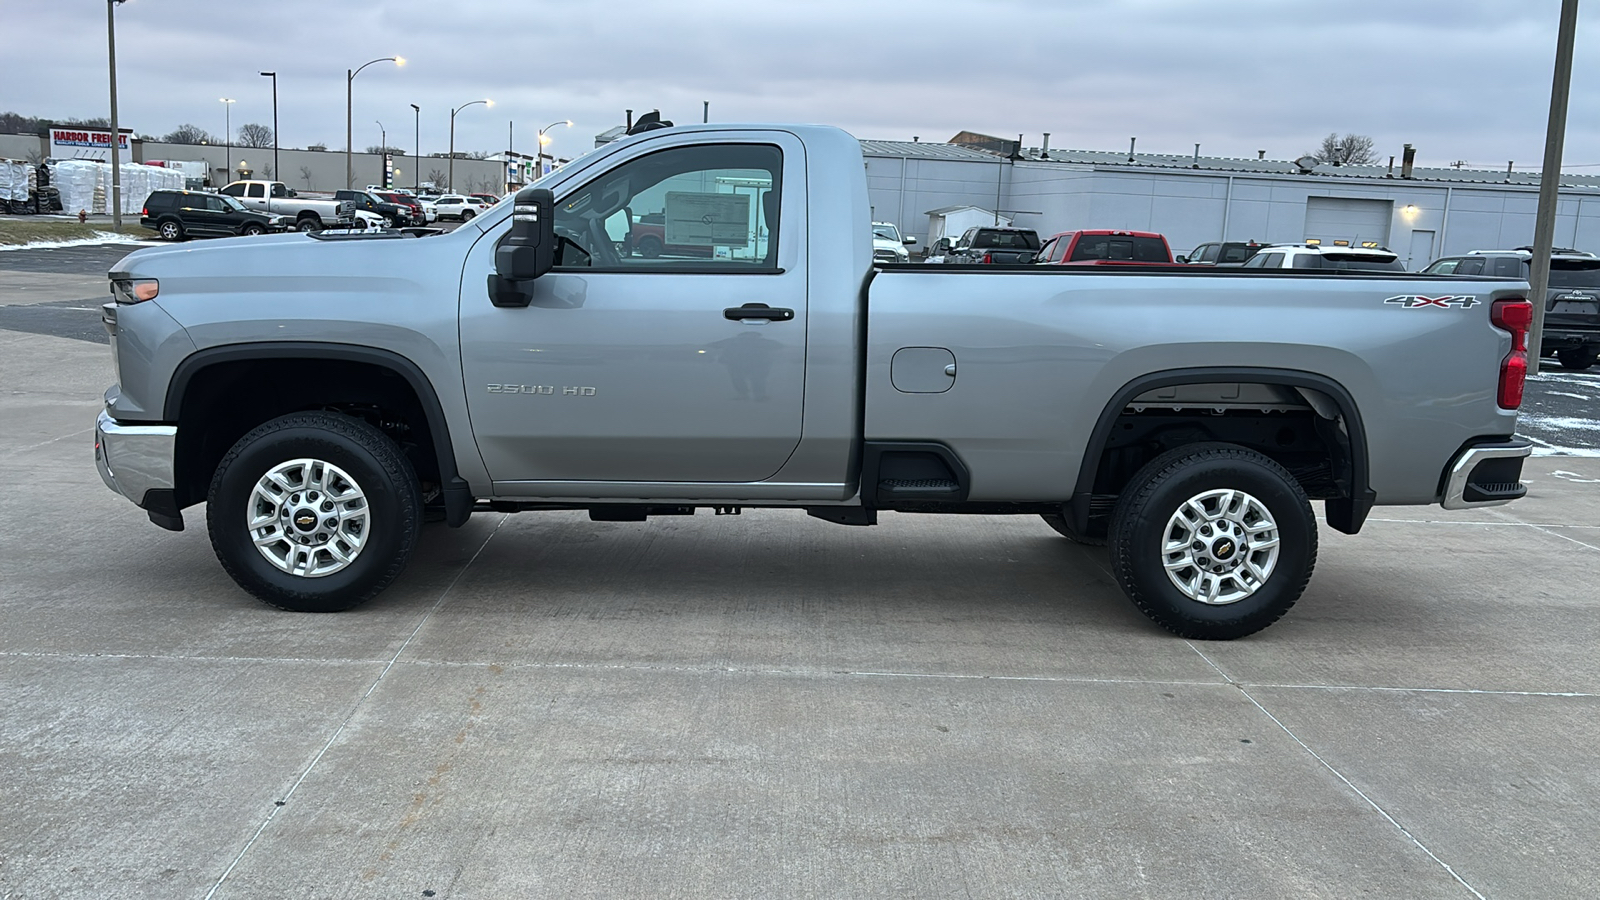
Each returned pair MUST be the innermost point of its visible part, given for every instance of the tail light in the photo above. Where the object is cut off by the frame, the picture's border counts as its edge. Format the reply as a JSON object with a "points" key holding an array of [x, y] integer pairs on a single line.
{"points": [[145, 212], [988, 258], [1514, 316]]}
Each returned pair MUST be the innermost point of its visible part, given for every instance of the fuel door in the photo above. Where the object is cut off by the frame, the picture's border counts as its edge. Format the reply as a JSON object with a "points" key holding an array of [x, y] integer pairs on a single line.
{"points": [[922, 370]]}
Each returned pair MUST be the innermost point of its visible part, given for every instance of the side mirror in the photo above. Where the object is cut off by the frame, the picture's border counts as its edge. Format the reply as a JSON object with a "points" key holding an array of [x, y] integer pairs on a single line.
{"points": [[528, 251], [1183, 259], [909, 241], [293, 192]]}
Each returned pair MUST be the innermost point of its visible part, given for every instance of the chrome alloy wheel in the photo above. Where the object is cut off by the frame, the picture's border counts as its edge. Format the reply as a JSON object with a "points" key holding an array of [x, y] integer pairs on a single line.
{"points": [[1221, 546], [308, 518]]}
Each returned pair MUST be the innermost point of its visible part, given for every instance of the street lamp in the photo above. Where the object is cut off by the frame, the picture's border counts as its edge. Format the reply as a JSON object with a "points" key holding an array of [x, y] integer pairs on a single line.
{"points": [[116, 136], [276, 172], [349, 80], [383, 149], [227, 130], [451, 177], [417, 175], [545, 139]]}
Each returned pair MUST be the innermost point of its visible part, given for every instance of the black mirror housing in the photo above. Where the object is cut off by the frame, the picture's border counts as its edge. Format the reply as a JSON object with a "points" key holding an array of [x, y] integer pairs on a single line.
{"points": [[530, 249]]}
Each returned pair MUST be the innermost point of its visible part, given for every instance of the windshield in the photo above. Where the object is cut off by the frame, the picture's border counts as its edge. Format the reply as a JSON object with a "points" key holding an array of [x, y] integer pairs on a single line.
{"points": [[1362, 262], [1120, 246], [1014, 240], [229, 202], [887, 232]]}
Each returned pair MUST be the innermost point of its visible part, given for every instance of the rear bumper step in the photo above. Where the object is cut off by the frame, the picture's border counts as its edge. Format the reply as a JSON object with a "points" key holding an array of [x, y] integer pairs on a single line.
{"points": [[1487, 474]]}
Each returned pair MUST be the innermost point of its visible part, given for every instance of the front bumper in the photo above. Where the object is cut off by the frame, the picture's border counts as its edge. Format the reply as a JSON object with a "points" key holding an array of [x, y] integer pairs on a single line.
{"points": [[1487, 474], [136, 462]]}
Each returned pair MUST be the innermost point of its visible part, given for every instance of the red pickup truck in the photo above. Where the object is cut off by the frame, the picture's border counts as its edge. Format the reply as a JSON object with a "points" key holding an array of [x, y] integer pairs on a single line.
{"points": [[1104, 247]]}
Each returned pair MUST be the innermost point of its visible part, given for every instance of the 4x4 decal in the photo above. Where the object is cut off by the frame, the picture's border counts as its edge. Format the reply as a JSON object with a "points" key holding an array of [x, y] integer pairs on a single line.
{"points": [[1416, 301]]}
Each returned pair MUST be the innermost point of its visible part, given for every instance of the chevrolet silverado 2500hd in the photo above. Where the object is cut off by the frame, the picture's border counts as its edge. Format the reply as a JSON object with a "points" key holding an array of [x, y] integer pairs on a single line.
{"points": [[323, 393]]}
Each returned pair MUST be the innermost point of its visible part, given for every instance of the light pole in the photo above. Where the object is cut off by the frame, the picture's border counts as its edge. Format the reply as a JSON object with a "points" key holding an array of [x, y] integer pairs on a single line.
{"points": [[545, 139], [116, 136], [227, 132], [276, 172], [416, 176], [451, 177], [383, 149], [349, 80]]}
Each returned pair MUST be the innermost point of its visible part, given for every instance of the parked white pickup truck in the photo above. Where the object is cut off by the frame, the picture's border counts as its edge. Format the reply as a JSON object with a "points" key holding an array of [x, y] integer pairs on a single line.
{"points": [[322, 393], [309, 214]]}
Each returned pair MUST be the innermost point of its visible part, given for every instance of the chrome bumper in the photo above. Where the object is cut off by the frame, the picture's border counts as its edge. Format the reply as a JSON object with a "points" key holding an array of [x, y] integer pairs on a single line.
{"points": [[1468, 487], [134, 459]]}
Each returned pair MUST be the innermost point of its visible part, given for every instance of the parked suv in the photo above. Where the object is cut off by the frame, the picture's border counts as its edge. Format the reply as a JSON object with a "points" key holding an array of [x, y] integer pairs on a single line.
{"points": [[419, 216], [458, 206], [1336, 259], [995, 245], [1222, 253], [396, 214], [178, 214], [1106, 248], [1572, 303]]}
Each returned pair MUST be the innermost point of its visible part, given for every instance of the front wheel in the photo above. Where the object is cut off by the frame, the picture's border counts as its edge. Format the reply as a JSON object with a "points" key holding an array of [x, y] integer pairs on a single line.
{"points": [[1577, 357], [309, 225], [314, 512], [253, 229], [1213, 542]]}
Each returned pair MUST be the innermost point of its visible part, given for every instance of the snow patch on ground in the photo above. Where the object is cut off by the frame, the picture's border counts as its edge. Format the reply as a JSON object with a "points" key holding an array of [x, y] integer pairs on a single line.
{"points": [[101, 237], [1560, 423], [1565, 451]]}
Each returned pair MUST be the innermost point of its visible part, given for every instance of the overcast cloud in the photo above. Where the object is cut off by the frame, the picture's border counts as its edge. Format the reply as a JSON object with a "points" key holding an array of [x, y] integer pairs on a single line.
{"points": [[1460, 80]]}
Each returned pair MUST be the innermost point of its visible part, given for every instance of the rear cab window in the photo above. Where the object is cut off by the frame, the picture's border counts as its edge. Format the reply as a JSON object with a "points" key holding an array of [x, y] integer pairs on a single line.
{"points": [[1120, 247]]}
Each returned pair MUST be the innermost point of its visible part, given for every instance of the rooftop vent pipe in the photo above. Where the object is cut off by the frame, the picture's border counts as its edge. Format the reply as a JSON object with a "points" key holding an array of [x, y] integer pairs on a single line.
{"points": [[1045, 152], [1408, 158]]}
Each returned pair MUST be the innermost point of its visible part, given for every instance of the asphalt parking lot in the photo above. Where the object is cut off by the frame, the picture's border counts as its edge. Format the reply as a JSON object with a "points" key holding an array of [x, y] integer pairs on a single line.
{"points": [[773, 706]]}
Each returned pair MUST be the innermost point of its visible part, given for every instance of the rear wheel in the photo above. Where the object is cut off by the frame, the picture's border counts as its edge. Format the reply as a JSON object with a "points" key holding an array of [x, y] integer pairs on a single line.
{"points": [[467, 214], [1577, 357], [1213, 542], [171, 230], [314, 512]]}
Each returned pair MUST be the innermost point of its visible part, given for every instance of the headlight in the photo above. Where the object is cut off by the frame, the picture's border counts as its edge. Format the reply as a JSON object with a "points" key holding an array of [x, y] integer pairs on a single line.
{"points": [[134, 290]]}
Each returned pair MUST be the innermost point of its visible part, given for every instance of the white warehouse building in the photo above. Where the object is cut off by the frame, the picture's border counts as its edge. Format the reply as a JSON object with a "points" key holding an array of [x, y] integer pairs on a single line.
{"points": [[1195, 199]]}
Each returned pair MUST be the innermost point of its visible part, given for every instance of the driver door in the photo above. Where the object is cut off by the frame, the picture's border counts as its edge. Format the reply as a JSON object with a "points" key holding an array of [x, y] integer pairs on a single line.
{"points": [[662, 368]]}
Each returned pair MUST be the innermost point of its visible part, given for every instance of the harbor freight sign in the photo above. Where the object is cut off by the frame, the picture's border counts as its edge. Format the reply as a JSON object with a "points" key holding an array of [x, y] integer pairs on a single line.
{"points": [[68, 142]]}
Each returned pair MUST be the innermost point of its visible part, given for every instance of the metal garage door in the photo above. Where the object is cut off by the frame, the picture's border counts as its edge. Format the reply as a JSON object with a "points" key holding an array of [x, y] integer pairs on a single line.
{"points": [[1344, 219]]}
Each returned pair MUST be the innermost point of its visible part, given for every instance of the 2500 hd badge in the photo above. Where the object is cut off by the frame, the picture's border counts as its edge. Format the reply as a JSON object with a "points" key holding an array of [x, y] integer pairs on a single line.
{"points": [[540, 389]]}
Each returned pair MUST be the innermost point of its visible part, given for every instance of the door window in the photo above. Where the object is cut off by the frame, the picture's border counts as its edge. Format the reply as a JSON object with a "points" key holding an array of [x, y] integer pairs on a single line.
{"points": [[684, 207], [1470, 266], [256, 190], [1442, 267], [278, 190]]}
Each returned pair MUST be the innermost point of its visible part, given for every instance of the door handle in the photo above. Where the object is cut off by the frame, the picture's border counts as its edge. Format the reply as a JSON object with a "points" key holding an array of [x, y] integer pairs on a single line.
{"points": [[758, 311]]}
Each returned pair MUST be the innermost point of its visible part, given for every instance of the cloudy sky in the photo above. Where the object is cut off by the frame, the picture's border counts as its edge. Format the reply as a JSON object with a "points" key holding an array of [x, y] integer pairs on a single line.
{"points": [[1460, 79]]}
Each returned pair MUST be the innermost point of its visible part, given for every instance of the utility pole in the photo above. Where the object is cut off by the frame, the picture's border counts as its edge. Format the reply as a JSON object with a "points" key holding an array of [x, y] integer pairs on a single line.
{"points": [[1544, 229], [416, 170], [227, 137], [116, 135], [276, 172]]}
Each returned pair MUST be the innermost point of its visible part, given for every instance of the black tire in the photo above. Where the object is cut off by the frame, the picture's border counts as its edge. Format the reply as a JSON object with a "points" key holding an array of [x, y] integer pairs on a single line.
{"points": [[1139, 529], [1577, 358], [650, 247], [1095, 538], [393, 504], [467, 214], [308, 225], [170, 230], [252, 229]]}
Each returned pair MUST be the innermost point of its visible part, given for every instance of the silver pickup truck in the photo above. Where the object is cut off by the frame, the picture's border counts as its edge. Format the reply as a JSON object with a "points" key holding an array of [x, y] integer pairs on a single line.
{"points": [[325, 394], [308, 213]]}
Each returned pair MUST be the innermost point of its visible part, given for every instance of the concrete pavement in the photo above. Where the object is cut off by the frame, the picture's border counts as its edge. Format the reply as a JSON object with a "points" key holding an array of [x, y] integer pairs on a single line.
{"points": [[772, 706]]}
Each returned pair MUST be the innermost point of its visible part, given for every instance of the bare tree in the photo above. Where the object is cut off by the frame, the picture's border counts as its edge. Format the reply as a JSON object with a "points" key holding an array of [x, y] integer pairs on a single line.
{"points": [[253, 135], [305, 173], [267, 173], [188, 134], [440, 179], [1350, 150]]}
